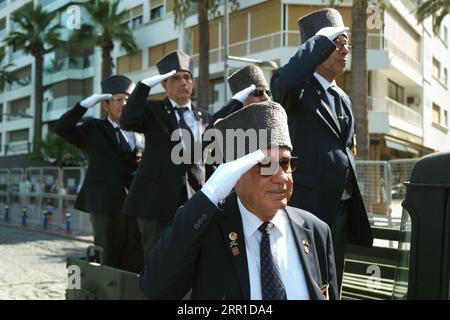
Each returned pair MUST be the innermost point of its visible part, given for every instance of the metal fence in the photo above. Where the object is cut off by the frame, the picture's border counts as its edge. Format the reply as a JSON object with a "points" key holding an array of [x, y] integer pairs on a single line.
{"points": [[50, 193], [43, 197], [382, 187]]}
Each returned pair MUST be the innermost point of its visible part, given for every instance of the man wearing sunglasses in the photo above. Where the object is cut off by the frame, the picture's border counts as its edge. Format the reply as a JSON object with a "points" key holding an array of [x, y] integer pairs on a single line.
{"points": [[322, 128], [248, 85], [113, 155], [248, 244]]}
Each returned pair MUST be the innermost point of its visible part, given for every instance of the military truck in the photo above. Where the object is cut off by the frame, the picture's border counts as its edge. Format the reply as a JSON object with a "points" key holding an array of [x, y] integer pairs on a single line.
{"points": [[419, 268]]}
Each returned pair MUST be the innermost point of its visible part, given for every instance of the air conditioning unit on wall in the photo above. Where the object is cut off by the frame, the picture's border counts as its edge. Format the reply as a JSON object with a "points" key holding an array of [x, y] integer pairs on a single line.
{"points": [[412, 100]]}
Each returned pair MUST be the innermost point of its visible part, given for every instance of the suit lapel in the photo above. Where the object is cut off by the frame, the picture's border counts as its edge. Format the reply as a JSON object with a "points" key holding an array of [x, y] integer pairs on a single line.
{"points": [[304, 238], [110, 133], [346, 105], [200, 118], [166, 116], [231, 222], [327, 117]]}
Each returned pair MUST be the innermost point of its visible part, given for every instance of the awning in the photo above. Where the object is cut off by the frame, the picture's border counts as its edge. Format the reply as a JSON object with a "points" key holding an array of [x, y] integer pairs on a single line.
{"points": [[400, 146]]}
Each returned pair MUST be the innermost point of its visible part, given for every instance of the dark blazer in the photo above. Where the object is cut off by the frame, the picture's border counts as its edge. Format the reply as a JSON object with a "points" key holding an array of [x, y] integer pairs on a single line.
{"points": [[102, 188], [157, 186], [325, 154], [194, 253]]}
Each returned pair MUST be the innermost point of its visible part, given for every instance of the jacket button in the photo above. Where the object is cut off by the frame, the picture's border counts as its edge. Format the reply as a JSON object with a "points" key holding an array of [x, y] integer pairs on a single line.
{"points": [[204, 216], [196, 226]]}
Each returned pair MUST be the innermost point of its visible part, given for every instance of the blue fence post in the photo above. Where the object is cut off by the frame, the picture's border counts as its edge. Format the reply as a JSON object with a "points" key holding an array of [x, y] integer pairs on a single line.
{"points": [[24, 217], [6, 213], [68, 222], [45, 220]]}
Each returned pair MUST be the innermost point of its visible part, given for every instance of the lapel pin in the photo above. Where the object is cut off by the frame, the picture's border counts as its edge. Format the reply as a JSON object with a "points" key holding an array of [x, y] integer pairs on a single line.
{"points": [[235, 251], [233, 236], [167, 109], [306, 246], [318, 92]]}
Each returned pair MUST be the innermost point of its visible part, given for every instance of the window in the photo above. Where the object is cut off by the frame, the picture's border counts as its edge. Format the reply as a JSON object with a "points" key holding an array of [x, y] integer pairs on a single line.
{"points": [[444, 34], [445, 76], [18, 135], [157, 52], [436, 114], [133, 18], [129, 63], [156, 9], [2, 27], [396, 92], [137, 16], [23, 77], [436, 69], [19, 108]]}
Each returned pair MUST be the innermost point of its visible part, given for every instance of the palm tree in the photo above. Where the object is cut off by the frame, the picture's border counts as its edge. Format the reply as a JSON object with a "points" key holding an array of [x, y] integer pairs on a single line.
{"points": [[105, 28], [205, 9], [38, 34], [436, 8], [359, 88]]}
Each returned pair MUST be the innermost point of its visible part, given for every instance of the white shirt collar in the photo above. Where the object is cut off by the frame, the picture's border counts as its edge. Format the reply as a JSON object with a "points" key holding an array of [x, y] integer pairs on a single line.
{"points": [[324, 82], [175, 105], [114, 124], [251, 222]]}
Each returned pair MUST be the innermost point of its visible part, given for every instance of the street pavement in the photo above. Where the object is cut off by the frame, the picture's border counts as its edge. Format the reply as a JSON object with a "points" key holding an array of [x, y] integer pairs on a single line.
{"points": [[33, 263]]}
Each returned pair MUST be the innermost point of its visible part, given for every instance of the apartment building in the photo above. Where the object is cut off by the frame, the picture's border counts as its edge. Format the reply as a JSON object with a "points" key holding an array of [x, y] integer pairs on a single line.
{"points": [[409, 100]]}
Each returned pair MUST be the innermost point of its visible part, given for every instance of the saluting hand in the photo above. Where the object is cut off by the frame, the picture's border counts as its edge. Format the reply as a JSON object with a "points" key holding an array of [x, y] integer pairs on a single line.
{"points": [[332, 32], [94, 99], [153, 81], [223, 180], [244, 93]]}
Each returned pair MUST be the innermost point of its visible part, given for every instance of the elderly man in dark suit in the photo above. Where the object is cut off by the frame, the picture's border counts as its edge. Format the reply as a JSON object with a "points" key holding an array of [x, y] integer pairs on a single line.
{"points": [[254, 246], [163, 183], [113, 158], [322, 128]]}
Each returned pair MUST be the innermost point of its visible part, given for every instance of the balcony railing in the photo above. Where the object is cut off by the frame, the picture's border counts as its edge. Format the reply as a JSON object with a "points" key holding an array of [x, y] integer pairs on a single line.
{"points": [[395, 109], [379, 42]]}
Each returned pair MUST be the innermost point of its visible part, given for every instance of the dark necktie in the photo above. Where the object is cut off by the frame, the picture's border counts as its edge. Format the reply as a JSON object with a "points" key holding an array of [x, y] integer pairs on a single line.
{"points": [[271, 285], [183, 124], [124, 146], [338, 108]]}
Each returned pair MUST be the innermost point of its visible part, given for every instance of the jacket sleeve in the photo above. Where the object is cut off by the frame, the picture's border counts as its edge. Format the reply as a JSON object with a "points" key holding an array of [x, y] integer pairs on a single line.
{"points": [[230, 107], [170, 266], [66, 126], [133, 115], [300, 68], [332, 276]]}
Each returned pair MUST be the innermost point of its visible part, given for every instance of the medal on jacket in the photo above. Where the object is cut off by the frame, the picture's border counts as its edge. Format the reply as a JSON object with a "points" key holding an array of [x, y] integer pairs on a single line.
{"points": [[233, 243], [306, 246]]}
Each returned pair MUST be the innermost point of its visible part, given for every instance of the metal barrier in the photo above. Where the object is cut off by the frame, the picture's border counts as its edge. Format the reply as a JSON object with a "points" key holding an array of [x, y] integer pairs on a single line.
{"points": [[44, 197], [53, 191], [381, 185]]}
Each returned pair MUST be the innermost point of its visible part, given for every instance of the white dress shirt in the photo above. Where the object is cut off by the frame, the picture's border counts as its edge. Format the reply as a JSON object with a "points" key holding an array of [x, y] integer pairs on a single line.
{"points": [[325, 84], [284, 249], [189, 117], [129, 136]]}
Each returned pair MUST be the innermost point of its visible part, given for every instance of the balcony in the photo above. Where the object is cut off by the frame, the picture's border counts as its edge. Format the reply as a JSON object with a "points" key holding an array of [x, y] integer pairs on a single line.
{"points": [[68, 68], [385, 114], [384, 54]]}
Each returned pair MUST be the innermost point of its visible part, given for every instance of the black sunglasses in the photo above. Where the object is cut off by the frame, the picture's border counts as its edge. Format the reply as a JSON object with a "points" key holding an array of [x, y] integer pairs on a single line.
{"points": [[288, 165], [260, 92]]}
